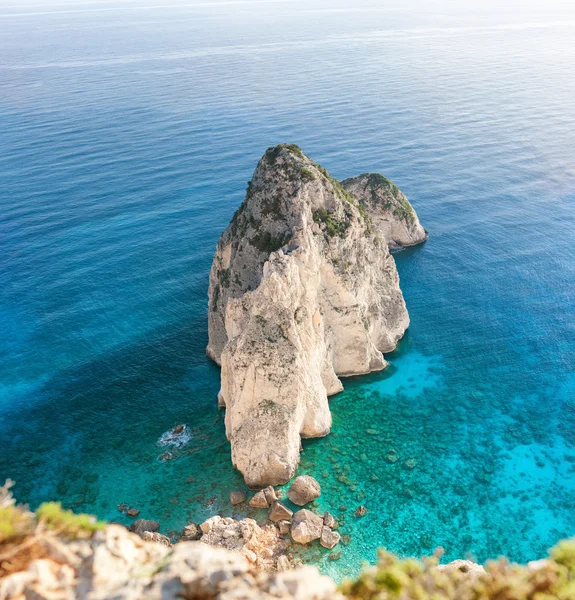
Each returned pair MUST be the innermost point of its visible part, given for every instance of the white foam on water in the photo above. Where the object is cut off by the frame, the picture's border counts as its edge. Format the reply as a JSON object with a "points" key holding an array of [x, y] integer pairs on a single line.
{"points": [[175, 440]]}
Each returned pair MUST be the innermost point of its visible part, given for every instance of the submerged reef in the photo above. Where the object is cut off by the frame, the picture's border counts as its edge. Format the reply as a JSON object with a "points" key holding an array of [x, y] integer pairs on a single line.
{"points": [[303, 290]]}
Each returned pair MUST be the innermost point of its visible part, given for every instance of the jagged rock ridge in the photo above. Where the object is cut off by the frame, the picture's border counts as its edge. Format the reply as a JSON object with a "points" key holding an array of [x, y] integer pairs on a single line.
{"points": [[302, 290]]}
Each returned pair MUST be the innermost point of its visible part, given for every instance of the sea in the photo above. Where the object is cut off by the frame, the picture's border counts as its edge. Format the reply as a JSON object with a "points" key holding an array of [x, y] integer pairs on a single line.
{"points": [[128, 132]]}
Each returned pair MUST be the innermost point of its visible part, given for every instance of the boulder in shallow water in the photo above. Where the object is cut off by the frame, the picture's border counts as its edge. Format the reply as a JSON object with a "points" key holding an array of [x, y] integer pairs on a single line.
{"points": [[132, 512], [279, 512], [259, 500], [303, 490], [360, 511], [329, 520], [270, 494], [142, 525], [237, 496], [329, 538], [306, 526], [178, 429]]}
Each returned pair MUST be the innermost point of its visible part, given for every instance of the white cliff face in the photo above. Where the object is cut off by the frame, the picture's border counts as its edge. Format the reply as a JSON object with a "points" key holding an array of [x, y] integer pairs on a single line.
{"points": [[389, 208], [303, 289]]}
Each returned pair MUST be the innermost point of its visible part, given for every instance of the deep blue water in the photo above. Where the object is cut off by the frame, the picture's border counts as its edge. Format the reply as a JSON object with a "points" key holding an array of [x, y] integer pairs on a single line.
{"points": [[127, 134]]}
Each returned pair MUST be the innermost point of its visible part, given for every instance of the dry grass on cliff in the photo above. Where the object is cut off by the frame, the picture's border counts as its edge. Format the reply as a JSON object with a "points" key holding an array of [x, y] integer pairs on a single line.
{"points": [[27, 536]]}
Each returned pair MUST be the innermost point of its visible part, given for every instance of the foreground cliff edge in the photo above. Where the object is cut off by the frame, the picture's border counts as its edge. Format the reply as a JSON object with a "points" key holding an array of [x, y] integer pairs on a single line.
{"points": [[303, 290], [53, 554]]}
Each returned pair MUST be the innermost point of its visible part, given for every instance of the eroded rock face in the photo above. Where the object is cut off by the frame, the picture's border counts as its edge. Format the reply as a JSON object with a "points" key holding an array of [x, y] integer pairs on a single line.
{"points": [[388, 207], [302, 290]]}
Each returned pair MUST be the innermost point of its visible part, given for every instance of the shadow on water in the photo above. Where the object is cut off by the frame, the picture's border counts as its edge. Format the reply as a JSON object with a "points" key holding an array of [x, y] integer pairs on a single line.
{"points": [[123, 402]]}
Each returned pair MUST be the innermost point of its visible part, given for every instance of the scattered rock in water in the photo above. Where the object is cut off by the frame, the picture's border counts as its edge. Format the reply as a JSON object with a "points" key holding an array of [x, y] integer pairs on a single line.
{"points": [[259, 500], [191, 533], [142, 525], [123, 508], [329, 520], [408, 493], [237, 496], [346, 539], [132, 512], [372, 431], [410, 463], [166, 456], [153, 536], [360, 511], [304, 489], [279, 512], [373, 477], [270, 494], [335, 555], [306, 526], [178, 429], [329, 538], [426, 541], [391, 457], [284, 527]]}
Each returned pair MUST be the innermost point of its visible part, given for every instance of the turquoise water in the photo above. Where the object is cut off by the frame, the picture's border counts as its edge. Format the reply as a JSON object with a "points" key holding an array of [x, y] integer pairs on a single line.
{"points": [[128, 134]]}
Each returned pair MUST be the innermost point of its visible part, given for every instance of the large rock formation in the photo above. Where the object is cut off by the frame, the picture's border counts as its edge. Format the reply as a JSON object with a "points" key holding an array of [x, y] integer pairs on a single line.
{"points": [[302, 290]]}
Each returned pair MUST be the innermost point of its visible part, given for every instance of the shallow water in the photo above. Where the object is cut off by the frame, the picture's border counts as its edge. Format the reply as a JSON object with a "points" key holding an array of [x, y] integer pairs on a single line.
{"points": [[127, 137]]}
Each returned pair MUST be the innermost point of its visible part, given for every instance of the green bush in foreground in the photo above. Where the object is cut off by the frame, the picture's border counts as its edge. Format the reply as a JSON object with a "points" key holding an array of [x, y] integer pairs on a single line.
{"points": [[395, 579], [65, 522], [17, 522]]}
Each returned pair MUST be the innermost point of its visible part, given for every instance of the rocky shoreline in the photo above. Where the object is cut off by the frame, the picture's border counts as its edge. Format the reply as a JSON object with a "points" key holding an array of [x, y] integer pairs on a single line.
{"points": [[268, 544], [53, 554]]}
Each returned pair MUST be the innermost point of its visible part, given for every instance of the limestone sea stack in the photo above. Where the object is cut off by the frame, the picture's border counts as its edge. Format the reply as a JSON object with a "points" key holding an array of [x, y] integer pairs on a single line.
{"points": [[389, 209], [302, 290]]}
